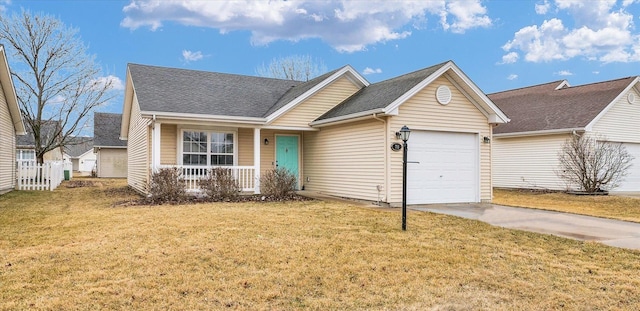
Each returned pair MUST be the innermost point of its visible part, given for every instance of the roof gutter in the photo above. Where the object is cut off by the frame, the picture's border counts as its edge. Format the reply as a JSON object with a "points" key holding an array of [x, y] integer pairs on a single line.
{"points": [[348, 118], [540, 133], [200, 117]]}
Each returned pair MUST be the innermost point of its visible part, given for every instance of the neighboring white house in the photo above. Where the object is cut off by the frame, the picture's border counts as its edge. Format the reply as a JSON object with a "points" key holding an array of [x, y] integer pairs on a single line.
{"points": [[11, 125], [25, 145], [110, 150], [543, 117], [79, 150], [336, 133]]}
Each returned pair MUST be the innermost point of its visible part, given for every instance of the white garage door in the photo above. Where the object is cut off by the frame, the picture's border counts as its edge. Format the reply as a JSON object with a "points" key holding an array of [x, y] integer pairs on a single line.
{"points": [[447, 170], [632, 180]]}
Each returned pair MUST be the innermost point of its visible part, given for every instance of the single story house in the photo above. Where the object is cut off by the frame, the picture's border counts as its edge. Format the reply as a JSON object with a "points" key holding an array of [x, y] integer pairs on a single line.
{"points": [[11, 125], [79, 151], [334, 132], [25, 145], [543, 117], [110, 150]]}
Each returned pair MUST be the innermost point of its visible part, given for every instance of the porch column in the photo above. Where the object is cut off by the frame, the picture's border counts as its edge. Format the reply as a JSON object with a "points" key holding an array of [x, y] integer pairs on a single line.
{"points": [[256, 159], [155, 146]]}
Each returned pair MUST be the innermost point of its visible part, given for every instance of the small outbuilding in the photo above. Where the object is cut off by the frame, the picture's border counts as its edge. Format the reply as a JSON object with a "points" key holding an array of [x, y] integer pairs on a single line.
{"points": [[110, 150]]}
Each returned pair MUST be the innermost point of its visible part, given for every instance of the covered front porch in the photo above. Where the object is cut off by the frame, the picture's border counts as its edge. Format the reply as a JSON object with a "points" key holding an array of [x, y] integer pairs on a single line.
{"points": [[195, 149]]}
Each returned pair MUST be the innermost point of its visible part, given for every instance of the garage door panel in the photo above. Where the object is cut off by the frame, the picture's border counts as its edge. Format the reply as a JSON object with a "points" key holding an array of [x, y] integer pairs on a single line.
{"points": [[632, 180], [443, 168]]}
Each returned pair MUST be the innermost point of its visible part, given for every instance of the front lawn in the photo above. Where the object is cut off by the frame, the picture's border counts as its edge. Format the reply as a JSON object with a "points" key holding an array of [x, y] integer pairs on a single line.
{"points": [[72, 249], [607, 206]]}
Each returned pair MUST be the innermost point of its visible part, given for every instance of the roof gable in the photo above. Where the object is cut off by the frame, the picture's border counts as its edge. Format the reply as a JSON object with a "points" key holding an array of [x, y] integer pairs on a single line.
{"points": [[555, 106], [106, 130], [386, 96], [7, 86], [301, 92]]}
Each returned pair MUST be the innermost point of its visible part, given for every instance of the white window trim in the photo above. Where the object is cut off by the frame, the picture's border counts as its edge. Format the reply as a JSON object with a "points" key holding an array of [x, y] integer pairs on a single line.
{"points": [[208, 130]]}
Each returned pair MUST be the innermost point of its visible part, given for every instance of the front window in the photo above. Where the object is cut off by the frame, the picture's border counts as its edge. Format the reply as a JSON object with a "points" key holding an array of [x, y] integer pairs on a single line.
{"points": [[207, 148]]}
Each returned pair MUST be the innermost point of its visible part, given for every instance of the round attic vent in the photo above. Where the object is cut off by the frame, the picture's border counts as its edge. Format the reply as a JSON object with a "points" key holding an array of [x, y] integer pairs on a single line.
{"points": [[443, 94], [631, 98]]}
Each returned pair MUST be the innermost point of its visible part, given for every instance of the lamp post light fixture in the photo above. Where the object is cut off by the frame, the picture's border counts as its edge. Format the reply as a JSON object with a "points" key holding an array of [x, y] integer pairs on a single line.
{"points": [[404, 135]]}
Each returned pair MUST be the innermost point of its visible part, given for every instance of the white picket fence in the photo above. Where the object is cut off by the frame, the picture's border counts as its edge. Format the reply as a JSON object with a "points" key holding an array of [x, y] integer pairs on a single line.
{"points": [[47, 176]]}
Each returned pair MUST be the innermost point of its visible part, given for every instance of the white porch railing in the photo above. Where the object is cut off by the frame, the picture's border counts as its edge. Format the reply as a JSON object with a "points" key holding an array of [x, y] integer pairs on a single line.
{"points": [[33, 176], [245, 175]]}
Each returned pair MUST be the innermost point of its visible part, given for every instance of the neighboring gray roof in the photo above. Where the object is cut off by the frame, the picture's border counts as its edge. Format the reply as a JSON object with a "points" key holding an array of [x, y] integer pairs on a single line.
{"points": [[542, 107], [209, 93], [47, 130], [106, 130], [298, 90], [77, 146], [381, 94]]}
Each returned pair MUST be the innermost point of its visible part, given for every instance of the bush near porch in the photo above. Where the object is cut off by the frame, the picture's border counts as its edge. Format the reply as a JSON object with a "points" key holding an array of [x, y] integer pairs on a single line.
{"points": [[74, 249]]}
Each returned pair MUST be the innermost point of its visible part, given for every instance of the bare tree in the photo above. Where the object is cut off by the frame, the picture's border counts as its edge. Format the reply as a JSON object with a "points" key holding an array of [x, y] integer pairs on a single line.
{"points": [[56, 80], [294, 67], [593, 163]]}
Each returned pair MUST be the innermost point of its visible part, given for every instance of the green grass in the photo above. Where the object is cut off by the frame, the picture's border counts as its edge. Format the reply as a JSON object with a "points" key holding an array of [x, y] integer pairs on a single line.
{"points": [[72, 249], [606, 206]]}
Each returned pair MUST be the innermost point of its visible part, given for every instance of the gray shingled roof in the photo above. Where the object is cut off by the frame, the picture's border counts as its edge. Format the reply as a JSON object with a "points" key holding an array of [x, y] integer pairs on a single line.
{"points": [[47, 130], [542, 107], [381, 94], [77, 146], [106, 130], [208, 93]]}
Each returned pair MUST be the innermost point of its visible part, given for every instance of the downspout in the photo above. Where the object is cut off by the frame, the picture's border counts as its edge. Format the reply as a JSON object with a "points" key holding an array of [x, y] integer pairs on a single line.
{"points": [[386, 161], [153, 151]]}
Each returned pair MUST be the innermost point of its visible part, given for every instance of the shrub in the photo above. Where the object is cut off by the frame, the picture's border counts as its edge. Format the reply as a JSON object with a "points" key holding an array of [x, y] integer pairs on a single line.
{"points": [[278, 183], [167, 185], [220, 184]]}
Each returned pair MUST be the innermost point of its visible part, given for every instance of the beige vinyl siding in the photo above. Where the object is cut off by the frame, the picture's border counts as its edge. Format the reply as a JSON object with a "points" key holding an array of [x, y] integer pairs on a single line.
{"points": [[7, 147], [245, 147], [318, 104], [622, 121], [138, 149], [346, 160], [528, 162], [168, 144], [112, 163], [267, 152], [423, 112]]}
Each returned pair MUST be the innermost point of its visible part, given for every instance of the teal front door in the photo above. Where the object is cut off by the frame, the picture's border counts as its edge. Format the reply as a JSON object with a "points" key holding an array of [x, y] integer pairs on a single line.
{"points": [[287, 154]]}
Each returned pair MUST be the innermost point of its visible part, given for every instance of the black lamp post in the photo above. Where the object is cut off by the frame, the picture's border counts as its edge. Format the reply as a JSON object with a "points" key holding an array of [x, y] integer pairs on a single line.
{"points": [[404, 135]]}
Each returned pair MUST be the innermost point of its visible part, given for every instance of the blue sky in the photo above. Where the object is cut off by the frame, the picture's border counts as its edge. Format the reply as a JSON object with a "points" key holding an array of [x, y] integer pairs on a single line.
{"points": [[500, 45]]}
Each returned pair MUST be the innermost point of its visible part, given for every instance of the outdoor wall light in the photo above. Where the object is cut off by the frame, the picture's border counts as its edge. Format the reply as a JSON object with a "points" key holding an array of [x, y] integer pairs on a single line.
{"points": [[486, 139], [266, 141]]}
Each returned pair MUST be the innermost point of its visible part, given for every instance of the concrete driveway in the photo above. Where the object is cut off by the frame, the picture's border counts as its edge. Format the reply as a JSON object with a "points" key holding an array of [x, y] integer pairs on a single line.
{"points": [[610, 232]]}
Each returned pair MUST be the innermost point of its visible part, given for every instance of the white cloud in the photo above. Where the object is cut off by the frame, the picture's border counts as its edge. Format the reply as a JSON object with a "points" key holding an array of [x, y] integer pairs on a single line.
{"points": [[3, 5], [368, 71], [116, 83], [510, 58], [512, 77], [189, 56], [595, 72], [600, 31], [347, 26], [543, 8], [563, 73]]}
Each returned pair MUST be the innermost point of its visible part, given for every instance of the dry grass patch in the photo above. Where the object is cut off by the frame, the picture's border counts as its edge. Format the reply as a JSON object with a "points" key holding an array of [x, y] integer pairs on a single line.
{"points": [[607, 206], [71, 249]]}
